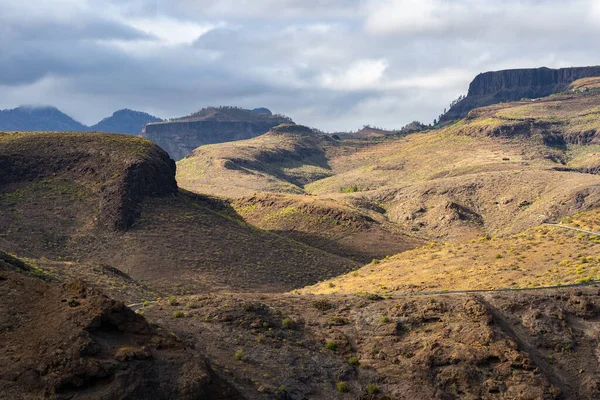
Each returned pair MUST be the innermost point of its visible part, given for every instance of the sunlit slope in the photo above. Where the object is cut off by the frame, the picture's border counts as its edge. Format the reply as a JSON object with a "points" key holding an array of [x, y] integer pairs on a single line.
{"points": [[283, 160], [540, 256]]}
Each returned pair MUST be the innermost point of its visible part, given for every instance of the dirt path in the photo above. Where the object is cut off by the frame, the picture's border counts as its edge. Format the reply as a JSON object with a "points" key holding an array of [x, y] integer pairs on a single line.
{"points": [[574, 229]]}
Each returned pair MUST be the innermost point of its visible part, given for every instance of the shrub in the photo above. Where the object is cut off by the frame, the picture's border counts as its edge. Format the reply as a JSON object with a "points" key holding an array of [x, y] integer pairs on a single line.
{"points": [[372, 388], [350, 189], [331, 345], [173, 301], [145, 303], [287, 323], [373, 296], [385, 319], [342, 387], [322, 305], [331, 284], [73, 302], [282, 389], [178, 314], [353, 361], [239, 355]]}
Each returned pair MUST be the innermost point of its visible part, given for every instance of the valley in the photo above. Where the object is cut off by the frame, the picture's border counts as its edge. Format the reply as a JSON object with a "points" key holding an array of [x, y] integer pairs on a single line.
{"points": [[269, 260]]}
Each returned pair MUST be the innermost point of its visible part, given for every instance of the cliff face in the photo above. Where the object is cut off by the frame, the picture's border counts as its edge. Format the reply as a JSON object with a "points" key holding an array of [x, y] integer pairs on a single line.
{"points": [[511, 85], [180, 137]]}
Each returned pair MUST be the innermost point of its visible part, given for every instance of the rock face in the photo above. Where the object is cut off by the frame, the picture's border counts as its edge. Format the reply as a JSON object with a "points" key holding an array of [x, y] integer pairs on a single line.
{"points": [[119, 170], [125, 121], [210, 125], [511, 85]]}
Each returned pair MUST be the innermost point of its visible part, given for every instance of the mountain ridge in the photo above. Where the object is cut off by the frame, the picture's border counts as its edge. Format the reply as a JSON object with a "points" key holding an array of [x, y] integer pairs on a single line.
{"points": [[494, 87], [32, 118]]}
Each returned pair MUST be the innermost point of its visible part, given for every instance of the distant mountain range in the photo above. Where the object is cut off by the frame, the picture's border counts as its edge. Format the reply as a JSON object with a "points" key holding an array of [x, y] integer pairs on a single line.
{"points": [[33, 118]]}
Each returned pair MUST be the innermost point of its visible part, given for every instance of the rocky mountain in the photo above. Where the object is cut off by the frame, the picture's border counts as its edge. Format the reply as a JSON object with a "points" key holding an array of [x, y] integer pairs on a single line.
{"points": [[514, 84], [211, 125], [124, 121], [32, 118]]}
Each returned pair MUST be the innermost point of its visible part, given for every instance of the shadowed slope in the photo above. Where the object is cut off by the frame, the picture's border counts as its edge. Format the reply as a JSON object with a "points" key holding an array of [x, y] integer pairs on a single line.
{"points": [[63, 194]]}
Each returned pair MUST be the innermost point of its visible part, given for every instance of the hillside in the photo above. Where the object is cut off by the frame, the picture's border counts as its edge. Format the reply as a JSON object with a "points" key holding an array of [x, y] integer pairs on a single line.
{"points": [[282, 160], [529, 345], [294, 265], [512, 85], [113, 200], [540, 256], [70, 341], [503, 169], [33, 118], [125, 121], [211, 125]]}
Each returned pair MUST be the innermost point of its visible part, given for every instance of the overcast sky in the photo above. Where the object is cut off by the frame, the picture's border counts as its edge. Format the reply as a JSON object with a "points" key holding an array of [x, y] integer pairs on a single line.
{"points": [[330, 64]]}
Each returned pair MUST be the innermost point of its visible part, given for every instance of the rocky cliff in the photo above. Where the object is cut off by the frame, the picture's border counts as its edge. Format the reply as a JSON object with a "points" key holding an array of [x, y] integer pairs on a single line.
{"points": [[208, 126], [514, 84]]}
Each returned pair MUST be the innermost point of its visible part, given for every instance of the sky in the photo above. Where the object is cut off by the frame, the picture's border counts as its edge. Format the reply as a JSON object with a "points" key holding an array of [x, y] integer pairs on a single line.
{"points": [[330, 64]]}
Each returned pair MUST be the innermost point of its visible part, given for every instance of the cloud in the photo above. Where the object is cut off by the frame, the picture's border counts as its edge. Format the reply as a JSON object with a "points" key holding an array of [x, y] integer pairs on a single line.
{"points": [[332, 64], [361, 74]]}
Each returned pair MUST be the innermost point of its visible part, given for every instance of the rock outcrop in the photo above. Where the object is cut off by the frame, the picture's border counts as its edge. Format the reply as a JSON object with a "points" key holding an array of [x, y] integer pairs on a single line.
{"points": [[511, 85], [210, 125], [119, 170], [70, 341]]}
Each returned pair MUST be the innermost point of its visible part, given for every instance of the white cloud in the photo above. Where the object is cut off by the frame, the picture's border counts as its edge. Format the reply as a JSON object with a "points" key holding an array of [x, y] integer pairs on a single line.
{"points": [[171, 31], [360, 75]]}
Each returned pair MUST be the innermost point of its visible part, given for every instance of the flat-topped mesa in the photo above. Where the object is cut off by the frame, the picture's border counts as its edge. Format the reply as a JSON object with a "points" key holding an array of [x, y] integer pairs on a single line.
{"points": [[209, 126], [515, 84]]}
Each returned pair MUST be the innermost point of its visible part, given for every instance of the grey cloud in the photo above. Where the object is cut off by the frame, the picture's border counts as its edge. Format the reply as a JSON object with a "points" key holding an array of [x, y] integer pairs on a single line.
{"points": [[274, 54]]}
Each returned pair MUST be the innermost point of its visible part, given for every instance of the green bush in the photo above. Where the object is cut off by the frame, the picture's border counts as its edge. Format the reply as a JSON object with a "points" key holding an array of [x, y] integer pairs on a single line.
{"points": [[239, 355], [287, 323], [342, 387], [178, 314], [331, 345], [173, 301], [350, 189], [353, 361], [372, 388]]}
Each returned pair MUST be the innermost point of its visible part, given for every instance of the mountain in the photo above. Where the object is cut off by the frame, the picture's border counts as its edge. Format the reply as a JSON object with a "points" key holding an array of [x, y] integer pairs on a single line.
{"points": [[124, 121], [50, 119], [113, 200], [515, 84], [32, 118], [211, 125], [459, 262], [503, 170]]}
